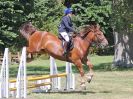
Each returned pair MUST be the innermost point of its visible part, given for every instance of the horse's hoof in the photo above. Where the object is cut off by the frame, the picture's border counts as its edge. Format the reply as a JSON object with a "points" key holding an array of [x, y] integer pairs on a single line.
{"points": [[83, 87], [89, 80]]}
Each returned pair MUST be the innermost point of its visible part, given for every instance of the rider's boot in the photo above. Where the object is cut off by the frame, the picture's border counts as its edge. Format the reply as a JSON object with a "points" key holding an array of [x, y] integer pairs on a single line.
{"points": [[65, 48]]}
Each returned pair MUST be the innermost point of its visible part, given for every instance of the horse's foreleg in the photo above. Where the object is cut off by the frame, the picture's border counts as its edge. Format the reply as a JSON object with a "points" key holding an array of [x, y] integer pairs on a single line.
{"points": [[80, 68], [29, 54], [90, 74]]}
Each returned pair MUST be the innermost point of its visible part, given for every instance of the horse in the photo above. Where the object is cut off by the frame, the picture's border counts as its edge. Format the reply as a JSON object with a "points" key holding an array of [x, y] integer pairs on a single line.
{"points": [[46, 42]]}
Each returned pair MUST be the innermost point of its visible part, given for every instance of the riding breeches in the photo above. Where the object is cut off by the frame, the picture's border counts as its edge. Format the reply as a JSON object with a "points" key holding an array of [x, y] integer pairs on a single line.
{"points": [[65, 36]]}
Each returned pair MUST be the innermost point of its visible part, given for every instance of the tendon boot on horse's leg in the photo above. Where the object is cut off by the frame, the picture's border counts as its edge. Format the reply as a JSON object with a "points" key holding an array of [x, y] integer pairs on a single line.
{"points": [[79, 65], [83, 83], [90, 74], [89, 77], [65, 48]]}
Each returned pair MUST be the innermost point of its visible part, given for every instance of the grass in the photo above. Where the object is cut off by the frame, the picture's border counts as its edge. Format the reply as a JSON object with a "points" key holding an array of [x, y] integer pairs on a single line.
{"points": [[108, 82], [105, 85], [41, 66]]}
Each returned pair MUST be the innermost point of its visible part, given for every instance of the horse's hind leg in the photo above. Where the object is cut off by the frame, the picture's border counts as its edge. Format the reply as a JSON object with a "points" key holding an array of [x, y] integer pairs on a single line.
{"points": [[90, 74], [80, 68]]}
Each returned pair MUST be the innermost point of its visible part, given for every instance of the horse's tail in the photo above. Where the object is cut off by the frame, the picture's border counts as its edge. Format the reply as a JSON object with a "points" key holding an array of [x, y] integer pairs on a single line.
{"points": [[27, 29]]}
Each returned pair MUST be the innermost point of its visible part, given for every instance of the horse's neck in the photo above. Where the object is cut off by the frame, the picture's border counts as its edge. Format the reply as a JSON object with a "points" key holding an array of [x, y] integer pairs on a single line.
{"points": [[83, 44]]}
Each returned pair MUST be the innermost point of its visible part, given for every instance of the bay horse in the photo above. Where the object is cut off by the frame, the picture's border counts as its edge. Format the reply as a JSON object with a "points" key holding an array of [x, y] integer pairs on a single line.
{"points": [[43, 41]]}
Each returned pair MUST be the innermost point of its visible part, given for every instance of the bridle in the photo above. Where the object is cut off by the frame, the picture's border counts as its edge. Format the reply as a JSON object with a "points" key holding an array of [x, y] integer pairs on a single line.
{"points": [[97, 41]]}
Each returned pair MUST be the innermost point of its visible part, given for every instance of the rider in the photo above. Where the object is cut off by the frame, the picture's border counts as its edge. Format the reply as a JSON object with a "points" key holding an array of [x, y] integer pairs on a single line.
{"points": [[66, 27]]}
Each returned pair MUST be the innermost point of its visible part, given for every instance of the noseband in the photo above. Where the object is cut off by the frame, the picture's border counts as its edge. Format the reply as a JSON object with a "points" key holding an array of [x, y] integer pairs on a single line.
{"points": [[98, 40]]}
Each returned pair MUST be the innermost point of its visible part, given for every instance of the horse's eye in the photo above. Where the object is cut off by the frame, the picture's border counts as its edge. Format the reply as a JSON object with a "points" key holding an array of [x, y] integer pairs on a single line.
{"points": [[98, 33]]}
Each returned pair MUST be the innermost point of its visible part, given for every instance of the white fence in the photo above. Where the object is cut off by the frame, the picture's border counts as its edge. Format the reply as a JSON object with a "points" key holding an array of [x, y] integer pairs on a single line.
{"points": [[19, 86]]}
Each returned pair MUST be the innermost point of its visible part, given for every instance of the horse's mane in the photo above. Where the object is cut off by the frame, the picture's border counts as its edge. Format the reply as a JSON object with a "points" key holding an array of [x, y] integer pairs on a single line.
{"points": [[87, 28], [84, 30]]}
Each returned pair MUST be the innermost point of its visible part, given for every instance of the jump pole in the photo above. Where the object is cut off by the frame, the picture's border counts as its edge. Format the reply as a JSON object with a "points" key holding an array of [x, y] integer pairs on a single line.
{"points": [[52, 78], [4, 76], [56, 82], [21, 77], [21, 83], [70, 80], [56, 78]]}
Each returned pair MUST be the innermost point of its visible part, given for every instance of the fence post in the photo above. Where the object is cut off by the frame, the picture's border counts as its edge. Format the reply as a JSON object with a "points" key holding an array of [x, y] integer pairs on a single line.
{"points": [[4, 76], [53, 70], [70, 80], [21, 83]]}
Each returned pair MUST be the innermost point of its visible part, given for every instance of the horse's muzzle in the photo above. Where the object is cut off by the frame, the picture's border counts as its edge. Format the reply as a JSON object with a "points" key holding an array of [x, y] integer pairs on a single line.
{"points": [[104, 44]]}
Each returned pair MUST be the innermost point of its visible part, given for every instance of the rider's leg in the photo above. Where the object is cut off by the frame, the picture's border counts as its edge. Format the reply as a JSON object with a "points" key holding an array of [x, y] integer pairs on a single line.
{"points": [[65, 36], [65, 47], [66, 41]]}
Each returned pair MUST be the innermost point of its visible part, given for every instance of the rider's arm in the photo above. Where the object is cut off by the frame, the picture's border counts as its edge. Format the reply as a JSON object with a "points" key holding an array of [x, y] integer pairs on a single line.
{"points": [[66, 23]]}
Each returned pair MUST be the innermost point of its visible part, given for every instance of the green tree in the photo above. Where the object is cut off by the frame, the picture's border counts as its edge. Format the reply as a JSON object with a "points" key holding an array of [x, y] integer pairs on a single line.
{"points": [[47, 14], [12, 14], [95, 10], [44, 14], [123, 32]]}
